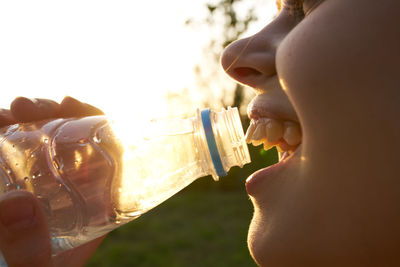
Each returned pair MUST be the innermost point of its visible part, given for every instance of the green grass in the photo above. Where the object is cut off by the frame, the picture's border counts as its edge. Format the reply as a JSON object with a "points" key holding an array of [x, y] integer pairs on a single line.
{"points": [[207, 228], [205, 225]]}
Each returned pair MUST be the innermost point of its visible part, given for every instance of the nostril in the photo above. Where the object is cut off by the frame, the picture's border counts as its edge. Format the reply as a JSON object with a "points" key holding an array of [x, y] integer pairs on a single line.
{"points": [[243, 72]]}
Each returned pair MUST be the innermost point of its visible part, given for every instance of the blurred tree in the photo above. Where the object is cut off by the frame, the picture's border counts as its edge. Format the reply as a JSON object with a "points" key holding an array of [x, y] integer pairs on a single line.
{"points": [[227, 21]]}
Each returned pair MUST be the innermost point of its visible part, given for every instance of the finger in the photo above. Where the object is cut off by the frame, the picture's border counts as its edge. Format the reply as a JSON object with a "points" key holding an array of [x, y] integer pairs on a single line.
{"points": [[32, 109], [70, 107], [24, 236], [6, 118]]}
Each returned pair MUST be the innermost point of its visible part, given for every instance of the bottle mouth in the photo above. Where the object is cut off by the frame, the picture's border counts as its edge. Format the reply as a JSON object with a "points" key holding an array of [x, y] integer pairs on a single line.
{"points": [[237, 138], [225, 140]]}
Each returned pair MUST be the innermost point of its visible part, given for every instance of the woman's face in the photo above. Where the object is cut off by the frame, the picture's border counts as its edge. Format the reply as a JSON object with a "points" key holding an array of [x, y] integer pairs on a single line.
{"points": [[325, 73]]}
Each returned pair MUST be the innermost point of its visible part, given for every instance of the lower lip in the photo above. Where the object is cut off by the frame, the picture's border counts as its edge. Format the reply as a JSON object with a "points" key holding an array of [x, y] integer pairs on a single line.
{"points": [[253, 182]]}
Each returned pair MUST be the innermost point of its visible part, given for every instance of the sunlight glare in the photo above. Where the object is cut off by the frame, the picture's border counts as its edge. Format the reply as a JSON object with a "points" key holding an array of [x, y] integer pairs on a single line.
{"points": [[121, 56]]}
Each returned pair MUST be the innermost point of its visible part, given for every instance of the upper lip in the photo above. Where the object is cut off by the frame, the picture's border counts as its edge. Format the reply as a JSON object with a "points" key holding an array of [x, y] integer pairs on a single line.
{"points": [[266, 105], [271, 101]]}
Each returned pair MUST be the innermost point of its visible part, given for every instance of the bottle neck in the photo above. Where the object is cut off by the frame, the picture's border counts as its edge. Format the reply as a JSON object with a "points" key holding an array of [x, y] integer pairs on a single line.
{"points": [[221, 139]]}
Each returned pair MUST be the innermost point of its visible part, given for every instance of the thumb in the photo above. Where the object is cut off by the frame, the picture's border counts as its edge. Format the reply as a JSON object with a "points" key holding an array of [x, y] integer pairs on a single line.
{"points": [[24, 235]]}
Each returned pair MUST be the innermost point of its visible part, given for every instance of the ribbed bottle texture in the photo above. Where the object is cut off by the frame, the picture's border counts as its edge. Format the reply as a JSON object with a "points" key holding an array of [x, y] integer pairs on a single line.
{"points": [[90, 181]]}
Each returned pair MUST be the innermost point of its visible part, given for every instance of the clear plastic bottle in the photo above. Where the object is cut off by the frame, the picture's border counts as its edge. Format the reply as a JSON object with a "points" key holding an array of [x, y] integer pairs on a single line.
{"points": [[89, 181]]}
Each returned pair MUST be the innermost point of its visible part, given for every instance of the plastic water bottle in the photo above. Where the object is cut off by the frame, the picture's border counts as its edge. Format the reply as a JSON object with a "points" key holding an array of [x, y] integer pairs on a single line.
{"points": [[89, 181]]}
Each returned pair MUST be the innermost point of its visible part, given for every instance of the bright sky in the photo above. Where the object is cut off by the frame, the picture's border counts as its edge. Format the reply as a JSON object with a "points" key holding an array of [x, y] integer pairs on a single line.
{"points": [[119, 55]]}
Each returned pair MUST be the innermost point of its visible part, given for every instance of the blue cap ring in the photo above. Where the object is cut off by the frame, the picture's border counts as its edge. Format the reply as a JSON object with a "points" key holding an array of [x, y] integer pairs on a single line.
{"points": [[212, 145]]}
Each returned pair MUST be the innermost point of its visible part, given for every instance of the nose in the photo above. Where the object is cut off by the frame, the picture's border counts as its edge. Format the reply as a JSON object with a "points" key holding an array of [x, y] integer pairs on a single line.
{"points": [[251, 60]]}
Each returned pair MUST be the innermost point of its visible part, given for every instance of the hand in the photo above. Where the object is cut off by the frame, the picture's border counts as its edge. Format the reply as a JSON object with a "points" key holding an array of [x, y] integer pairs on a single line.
{"points": [[24, 233]]}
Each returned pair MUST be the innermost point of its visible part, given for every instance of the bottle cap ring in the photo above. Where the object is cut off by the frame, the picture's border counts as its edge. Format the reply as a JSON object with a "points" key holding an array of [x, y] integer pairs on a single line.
{"points": [[212, 145]]}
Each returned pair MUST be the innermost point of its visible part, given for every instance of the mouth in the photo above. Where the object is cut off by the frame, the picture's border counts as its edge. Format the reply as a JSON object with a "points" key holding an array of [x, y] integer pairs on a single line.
{"points": [[283, 134]]}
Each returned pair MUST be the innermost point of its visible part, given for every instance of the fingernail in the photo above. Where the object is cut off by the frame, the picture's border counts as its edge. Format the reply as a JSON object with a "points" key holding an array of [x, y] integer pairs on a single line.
{"points": [[44, 103], [71, 107], [17, 210]]}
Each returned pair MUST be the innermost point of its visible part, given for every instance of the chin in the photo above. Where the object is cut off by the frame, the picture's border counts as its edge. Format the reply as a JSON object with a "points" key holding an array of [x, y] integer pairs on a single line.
{"points": [[272, 237], [259, 243], [254, 238]]}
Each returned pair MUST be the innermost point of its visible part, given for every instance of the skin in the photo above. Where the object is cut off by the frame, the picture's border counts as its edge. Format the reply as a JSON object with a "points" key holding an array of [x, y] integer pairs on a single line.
{"points": [[24, 241], [336, 202]]}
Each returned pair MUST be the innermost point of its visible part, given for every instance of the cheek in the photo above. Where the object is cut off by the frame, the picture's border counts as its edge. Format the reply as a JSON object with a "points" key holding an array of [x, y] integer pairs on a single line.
{"points": [[307, 75], [333, 68], [320, 69]]}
